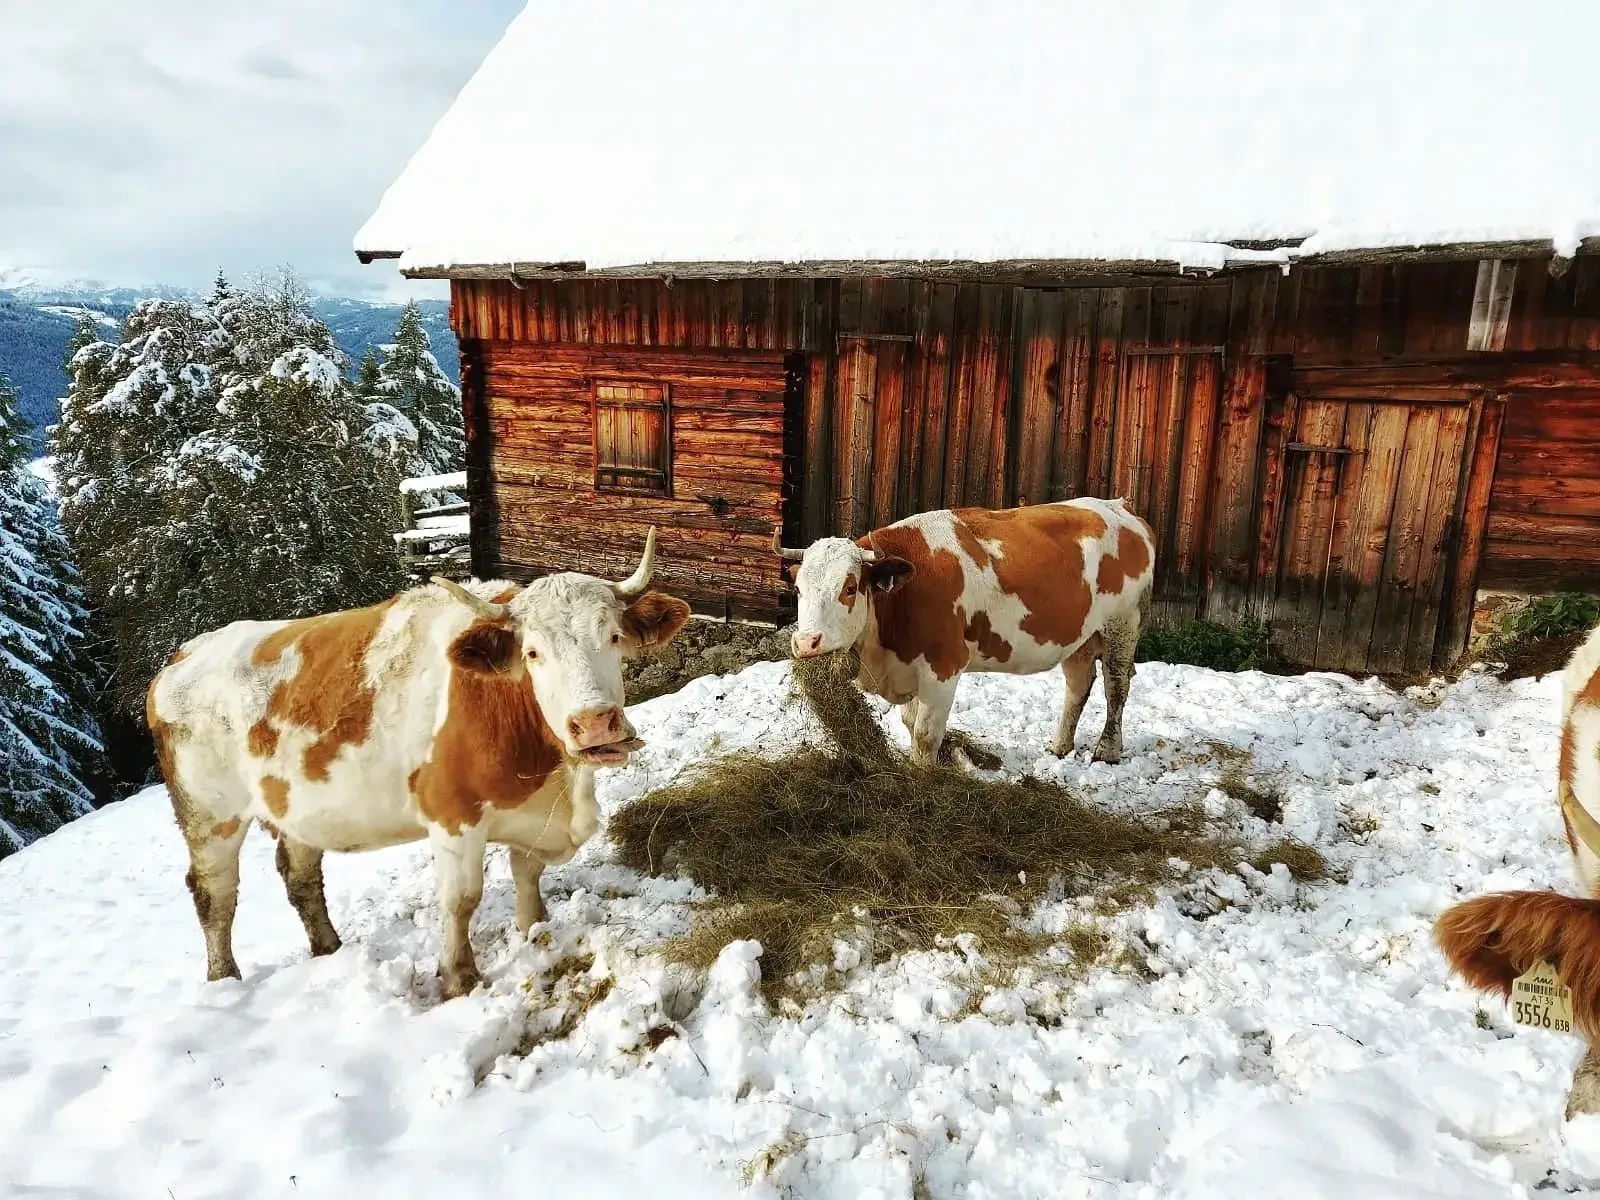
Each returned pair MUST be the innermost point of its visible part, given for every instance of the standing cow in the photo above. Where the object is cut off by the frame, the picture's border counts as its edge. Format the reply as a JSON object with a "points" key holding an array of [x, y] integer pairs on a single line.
{"points": [[1493, 939], [1016, 590], [463, 715]]}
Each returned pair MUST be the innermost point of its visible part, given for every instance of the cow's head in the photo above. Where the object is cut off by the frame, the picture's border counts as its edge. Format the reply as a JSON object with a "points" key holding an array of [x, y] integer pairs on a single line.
{"points": [[566, 636], [837, 580]]}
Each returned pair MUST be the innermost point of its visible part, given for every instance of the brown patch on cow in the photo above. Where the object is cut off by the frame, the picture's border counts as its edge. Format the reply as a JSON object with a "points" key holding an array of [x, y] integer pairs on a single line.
{"points": [[922, 618], [989, 643], [505, 595], [262, 739], [848, 591], [226, 829], [1042, 563], [275, 792], [328, 693], [177, 656], [1130, 561], [494, 748], [969, 543], [272, 830]]}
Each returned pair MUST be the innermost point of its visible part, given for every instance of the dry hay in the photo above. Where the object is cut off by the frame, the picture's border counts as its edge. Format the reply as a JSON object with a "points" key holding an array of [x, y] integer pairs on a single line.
{"points": [[852, 837]]}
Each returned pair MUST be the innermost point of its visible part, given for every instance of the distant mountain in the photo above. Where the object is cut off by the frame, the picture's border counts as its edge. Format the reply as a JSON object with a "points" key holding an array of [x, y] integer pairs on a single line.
{"points": [[37, 321]]}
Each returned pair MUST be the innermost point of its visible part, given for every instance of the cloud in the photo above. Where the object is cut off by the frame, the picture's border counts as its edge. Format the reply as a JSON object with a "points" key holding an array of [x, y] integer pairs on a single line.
{"points": [[154, 142]]}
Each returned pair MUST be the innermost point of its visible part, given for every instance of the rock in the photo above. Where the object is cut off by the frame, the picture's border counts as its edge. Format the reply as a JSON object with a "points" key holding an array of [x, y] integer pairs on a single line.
{"points": [[669, 657]]}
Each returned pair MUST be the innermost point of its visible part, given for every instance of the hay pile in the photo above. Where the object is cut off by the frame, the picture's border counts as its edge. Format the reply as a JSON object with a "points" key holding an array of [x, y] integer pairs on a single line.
{"points": [[851, 835]]}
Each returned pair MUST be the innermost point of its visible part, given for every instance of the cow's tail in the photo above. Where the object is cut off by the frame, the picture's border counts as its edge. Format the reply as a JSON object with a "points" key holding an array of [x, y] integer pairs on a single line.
{"points": [[1492, 939]]}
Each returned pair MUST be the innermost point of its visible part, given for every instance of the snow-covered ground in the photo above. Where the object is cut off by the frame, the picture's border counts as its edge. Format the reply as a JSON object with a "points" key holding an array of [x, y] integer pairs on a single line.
{"points": [[1303, 1041]]}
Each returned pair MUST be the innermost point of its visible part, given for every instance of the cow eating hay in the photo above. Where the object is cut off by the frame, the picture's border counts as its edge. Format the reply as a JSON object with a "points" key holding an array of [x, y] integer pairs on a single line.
{"points": [[850, 832]]}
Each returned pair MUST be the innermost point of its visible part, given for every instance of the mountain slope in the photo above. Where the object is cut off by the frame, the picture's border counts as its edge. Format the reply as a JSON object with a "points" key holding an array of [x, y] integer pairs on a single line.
{"points": [[36, 323]]}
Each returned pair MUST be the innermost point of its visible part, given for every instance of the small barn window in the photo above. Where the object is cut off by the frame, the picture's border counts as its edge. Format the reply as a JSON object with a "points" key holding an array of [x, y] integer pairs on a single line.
{"points": [[632, 450]]}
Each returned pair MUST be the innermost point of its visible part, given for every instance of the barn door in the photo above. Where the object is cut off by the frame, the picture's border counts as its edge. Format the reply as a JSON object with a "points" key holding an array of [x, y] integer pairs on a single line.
{"points": [[1370, 487], [1161, 455]]}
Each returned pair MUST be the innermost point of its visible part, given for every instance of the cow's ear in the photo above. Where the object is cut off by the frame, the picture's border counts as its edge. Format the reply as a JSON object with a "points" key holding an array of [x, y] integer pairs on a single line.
{"points": [[486, 648], [654, 618], [886, 574]]}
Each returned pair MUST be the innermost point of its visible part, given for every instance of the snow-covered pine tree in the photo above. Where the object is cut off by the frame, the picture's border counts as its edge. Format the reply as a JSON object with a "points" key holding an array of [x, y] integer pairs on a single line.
{"points": [[414, 384], [215, 466], [369, 378], [308, 476], [51, 759]]}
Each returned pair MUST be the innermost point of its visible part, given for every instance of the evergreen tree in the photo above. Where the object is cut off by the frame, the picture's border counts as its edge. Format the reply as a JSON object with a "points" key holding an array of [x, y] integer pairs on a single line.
{"points": [[369, 379], [216, 466], [52, 759], [413, 383]]}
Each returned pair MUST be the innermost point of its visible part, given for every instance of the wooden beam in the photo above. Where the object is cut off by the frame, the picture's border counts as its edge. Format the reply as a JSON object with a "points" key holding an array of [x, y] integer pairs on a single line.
{"points": [[1491, 305]]}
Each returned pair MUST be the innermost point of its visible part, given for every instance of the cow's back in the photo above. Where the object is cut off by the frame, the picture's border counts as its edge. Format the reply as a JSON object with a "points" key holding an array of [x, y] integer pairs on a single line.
{"points": [[1011, 589], [311, 724]]}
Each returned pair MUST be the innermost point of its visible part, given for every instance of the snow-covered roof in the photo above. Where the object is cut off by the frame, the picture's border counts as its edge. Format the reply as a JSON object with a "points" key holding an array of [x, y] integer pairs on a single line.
{"points": [[619, 133]]}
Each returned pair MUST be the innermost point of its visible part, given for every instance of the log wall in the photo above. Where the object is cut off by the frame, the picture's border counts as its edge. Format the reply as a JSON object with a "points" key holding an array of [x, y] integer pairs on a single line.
{"points": [[857, 401]]}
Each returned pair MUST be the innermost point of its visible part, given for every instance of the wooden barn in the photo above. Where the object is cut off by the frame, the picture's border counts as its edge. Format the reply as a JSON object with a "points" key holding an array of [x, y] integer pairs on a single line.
{"points": [[1346, 426]]}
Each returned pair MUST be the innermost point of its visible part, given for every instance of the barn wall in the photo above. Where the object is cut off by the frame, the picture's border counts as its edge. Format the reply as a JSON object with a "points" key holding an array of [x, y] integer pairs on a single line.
{"points": [[913, 394]]}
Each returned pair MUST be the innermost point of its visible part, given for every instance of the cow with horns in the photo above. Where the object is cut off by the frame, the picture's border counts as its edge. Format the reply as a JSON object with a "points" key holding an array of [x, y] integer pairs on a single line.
{"points": [[464, 715], [1493, 939], [1016, 590]]}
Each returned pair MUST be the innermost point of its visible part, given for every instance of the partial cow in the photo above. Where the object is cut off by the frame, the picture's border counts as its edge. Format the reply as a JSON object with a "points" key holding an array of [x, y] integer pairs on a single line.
{"points": [[1015, 590], [1493, 939], [465, 715]]}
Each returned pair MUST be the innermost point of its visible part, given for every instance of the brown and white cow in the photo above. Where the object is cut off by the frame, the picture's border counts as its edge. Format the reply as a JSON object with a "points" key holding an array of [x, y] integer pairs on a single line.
{"points": [[460, 715], [1492, 939], [1016, 590]]}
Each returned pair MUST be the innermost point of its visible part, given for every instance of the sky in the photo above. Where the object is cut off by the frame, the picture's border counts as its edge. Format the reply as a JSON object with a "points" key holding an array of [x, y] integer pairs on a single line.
{"points": [[153, 141]]}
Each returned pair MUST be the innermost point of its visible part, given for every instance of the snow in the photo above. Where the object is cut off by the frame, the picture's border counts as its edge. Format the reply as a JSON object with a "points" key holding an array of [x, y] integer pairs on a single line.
{"points": [[44, 470], [817, 130], [429, 528], [1299, 1040], [453, 481]]}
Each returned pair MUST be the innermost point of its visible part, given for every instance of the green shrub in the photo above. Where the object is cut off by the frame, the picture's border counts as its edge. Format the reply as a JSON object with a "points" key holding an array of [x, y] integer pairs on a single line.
{"points": [[1561, 615], [1244, 647]]}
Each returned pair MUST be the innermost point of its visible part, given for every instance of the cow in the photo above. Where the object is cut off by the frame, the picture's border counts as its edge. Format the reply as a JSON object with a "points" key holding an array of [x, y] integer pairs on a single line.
{"points": [[459, 714], [1017, 590], [1490, 940]]}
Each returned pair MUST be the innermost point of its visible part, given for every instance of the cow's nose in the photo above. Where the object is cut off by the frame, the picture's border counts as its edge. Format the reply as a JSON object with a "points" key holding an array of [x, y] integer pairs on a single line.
{"points": [[807, 644], [596, 727]]}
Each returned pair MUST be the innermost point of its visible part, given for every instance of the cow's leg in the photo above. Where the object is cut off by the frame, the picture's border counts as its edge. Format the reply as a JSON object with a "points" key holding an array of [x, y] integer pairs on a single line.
{"points": [[585, 810], [526, 867], [1121, 637], [933, 713], [458, 875], [213, 881], [300, 866], [1585, 1094], [1078, 671], [908, 715]]}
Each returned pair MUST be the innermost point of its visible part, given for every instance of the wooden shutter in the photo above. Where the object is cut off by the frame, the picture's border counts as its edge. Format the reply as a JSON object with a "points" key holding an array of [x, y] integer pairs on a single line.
{"points": [[632, 449]]}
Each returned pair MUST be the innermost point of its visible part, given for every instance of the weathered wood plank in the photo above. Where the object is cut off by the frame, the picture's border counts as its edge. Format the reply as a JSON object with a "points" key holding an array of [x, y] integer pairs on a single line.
{"points": [[1405, 554], [1474, 510], [1038, 390], [1104, 389], [1340, 638], [1308, 518], [888, 467], [1438, 540], [963, 393], [932, 384]]}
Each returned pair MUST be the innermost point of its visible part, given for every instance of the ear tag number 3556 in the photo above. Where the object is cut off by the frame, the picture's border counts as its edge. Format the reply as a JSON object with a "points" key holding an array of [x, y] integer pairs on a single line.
{"points": [[1540, 1000]]}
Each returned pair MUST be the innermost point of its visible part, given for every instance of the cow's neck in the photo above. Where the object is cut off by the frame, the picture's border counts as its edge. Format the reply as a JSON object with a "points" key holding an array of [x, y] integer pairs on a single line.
{"points": [[879, 665]]}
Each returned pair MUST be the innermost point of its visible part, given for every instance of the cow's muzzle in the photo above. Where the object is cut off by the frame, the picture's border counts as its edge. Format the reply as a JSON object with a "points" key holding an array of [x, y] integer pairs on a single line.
{"points": [[602, 735], [807, 645]]}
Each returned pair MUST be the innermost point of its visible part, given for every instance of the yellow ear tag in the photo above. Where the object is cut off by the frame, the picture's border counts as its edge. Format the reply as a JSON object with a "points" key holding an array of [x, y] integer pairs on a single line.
{"points": [[1540, 1000]]}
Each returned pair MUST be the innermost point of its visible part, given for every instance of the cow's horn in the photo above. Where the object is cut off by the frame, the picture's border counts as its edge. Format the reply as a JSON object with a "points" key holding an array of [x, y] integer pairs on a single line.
{"points": [[783, 551], [635, 584], [485, 609]]}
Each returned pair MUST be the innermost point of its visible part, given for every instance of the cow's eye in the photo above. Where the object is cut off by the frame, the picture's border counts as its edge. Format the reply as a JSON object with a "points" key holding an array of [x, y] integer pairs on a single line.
{"points": [[616, 639], [533, 655]]}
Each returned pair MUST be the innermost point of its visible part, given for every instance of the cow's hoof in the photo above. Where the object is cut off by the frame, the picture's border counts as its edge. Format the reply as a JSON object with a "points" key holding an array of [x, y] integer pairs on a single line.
{"points": [[325, 946], [459, 983], [1057, 749], [1107, 754]]}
